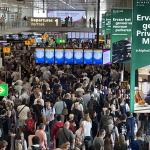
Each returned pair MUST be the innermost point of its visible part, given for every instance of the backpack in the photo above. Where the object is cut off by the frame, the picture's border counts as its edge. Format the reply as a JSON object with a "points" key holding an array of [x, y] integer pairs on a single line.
{"points": [[30, 125], [123, 130], [138, 145], [141, 145], [90, 106]]}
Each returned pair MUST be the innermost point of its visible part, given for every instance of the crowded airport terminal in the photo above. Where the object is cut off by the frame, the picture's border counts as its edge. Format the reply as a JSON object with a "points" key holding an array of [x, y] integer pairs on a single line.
{"points": [[74, 75]]}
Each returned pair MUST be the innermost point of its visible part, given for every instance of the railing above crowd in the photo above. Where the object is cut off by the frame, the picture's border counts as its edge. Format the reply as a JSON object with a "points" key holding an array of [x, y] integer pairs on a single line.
{"points": [[34, 22]]}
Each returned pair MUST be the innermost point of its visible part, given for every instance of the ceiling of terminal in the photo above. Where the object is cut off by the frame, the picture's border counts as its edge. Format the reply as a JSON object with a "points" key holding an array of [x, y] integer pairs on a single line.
{"points": [[70, 4]]}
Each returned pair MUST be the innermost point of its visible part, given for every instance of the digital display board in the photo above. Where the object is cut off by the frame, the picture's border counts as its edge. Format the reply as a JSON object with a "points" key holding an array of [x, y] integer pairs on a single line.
{"points": [[86, 35], [49, 56], [69, 35], [69, 56], [15, 36], [24, 36], [94, 34], [59, 56], [82, 35], [39, 55], [90, 35], [76, 15], [88, 56], [97, 57], [78, 56], [77, 35], [106, 57], [73, 35]]}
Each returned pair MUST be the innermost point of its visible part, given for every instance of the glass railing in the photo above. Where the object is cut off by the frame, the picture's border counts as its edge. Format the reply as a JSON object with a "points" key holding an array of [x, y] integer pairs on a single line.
{"points": [[13, 25]]}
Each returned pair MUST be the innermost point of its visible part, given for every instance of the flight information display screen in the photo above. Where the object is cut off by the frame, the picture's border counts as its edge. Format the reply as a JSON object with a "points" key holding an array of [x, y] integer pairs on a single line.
{"points": [[49, 56], [78, 56], [97, 57], [59, 56], [88, 56], [69, 56], [39, 55]]}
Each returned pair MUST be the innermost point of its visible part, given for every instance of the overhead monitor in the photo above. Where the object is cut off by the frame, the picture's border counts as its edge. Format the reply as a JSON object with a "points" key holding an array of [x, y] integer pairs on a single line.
{"points": [[77, 15], [88, 56], [39, 55], [68, 56], [97, 57], [59, 56], [78, 56], [49, 55]]}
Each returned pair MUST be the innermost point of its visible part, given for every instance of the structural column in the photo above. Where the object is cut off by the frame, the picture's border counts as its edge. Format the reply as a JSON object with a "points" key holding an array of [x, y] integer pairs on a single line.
{"points": [[98, 17]]}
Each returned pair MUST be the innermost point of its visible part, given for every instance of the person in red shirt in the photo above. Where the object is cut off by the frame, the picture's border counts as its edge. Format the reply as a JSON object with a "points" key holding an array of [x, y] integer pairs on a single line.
{"points": [[58, 124]]}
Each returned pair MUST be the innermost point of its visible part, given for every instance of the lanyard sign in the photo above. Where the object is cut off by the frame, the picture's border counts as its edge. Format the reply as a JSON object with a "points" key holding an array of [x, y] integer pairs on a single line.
{"points": [[32, 41], [28, 42], [3, 89], [140, 62], [45, 36], [6, 50]]}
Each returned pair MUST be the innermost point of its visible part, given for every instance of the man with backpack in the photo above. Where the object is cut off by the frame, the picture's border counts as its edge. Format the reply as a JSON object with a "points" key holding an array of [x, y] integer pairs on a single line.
{"points": [[92, 105]]}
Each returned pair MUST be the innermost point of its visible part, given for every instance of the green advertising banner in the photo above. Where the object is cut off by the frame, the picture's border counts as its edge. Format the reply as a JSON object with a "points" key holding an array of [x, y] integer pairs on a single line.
{"points": [[103, 25], [108, 29], [3, 89], [121, 30], [140, 62]]}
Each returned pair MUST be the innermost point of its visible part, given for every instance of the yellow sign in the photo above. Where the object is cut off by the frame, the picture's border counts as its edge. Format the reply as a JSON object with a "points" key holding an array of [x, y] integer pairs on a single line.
{"points": [[45, 36], [6, 49], [28, 42], [32, 41]]}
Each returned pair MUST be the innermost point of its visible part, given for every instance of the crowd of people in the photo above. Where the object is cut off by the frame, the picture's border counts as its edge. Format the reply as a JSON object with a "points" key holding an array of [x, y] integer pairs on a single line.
{"points": [[68, 107]]}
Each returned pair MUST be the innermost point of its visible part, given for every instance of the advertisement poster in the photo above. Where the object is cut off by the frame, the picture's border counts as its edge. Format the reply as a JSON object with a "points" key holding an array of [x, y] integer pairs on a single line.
{"points": [[77, 15], [68, 56], [97, 57], [108, 30], [59, 56], [49, 56], [121, 35], [39, 55], [140, 62], [78, 56], [88, 56], [103, 25], [106, 57]]}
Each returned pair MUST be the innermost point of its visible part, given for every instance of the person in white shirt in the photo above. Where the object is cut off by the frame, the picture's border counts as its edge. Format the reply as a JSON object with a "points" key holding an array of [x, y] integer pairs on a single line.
{"points": [[22, 113], [87, 126]]}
